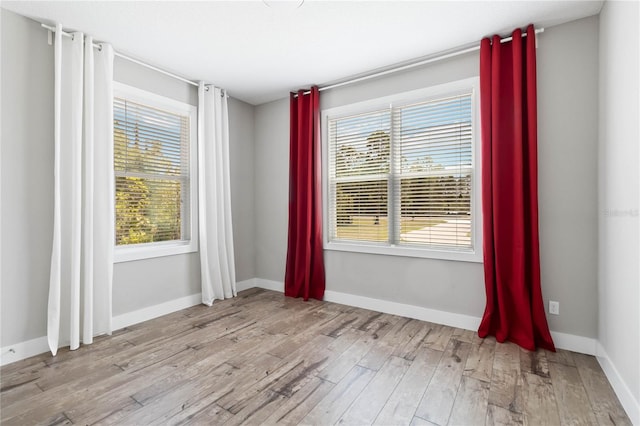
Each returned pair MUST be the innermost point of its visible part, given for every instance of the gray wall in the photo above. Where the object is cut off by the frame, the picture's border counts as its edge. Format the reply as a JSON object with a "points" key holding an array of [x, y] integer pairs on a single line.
{"points": [[568, 120], [27, 191], [619, 201], [241, 136], [567, 178], [142, 283], [271, 162], [567, 113], [436, 284], [26, 178], [148, 282]]}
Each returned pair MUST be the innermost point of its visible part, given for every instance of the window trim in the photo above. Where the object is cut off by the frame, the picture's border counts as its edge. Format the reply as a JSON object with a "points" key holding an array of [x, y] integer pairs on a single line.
{"points": [[398, 100], [127, 253]]}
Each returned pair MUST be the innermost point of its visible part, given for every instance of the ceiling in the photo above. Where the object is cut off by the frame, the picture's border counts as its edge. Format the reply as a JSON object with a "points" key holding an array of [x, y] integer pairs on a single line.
{"points": [[261, 50]]}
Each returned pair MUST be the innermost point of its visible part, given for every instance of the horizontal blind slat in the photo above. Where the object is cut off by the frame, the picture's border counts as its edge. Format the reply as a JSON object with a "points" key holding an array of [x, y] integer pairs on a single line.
{"points": [[432, 165], [151, 159]]}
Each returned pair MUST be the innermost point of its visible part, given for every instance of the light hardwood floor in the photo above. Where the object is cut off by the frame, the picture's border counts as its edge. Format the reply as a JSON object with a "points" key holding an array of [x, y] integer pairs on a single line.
{"points": [[262, 358]]}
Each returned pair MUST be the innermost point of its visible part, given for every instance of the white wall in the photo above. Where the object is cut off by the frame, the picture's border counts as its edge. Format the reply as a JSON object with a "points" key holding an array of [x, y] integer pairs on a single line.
{"points": [[567, 85], [619, 194], [27, 191]]}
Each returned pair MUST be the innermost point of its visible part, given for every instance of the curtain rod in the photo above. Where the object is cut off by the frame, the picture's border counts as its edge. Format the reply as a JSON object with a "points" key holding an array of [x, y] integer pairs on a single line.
{"points": [[128, 58], [456, 51]]}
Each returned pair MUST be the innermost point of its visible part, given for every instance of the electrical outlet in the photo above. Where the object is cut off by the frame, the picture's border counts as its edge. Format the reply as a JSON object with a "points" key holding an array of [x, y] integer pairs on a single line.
{"points": [[554, 307]]}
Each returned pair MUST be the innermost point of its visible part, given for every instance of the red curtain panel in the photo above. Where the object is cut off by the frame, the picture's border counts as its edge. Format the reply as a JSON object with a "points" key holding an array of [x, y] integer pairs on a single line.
{"points": [[304, 275], [515, 309]]}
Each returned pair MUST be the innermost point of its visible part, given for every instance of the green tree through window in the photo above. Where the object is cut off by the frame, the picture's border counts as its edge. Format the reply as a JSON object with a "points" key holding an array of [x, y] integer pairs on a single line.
{"points": [[151, 160]]}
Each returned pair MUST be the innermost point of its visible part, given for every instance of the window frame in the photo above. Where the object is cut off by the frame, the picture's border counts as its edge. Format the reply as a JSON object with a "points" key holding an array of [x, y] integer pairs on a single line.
{"points": [[132, 252], [399, 100]]}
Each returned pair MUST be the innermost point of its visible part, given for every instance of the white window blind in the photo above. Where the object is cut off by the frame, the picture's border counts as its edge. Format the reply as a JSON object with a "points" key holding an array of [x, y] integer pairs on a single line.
{"points": [[402, 176], [151, 156], [360, 171]]}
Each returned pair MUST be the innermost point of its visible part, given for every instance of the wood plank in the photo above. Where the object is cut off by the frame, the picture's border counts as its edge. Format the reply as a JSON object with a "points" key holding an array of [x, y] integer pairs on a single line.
{"points": [[290, 373], [91, 360], [331, 407], [404, 400], [20, 392], [298, 340], [561, 356], [20, 373], [57, 419], [39, 407], [24, 366], [534, 362], [118, 399], [437, 402], [195, 400], [468, 336], [185, 374], [342, 324], [470, 406], [304, 320], [116, 416], [500, 416], [398, 336], [369, 320], [570, 395], [344, 341], [257, 409], [260, 358], [606, 406], [195, 395], [337, 369], [417, 421], [212, 414], [439, 338], [480, 362], [409, 350], [539, 402], [292, 411], [506, 379], [366, 407]]}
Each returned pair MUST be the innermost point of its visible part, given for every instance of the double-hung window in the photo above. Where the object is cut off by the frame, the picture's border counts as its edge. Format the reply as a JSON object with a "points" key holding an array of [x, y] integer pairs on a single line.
{"points": [[401, 174], [155, 179]]}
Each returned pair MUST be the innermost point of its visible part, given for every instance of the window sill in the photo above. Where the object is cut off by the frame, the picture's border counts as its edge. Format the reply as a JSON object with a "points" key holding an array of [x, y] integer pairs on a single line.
{"points": [[426, 253], [152, 250]]}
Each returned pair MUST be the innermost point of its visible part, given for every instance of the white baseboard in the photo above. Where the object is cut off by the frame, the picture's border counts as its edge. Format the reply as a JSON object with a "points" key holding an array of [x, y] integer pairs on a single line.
{"points": [[466, 322], [246, 284], [569, 342], [39, 345], [270, 284], [23, 350], [628, 401], [155, 311], [151, 312]]}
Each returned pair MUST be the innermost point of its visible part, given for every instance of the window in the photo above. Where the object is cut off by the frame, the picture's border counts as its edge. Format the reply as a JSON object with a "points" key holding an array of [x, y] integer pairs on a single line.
{"points": [[155, 183], [401, 175]]}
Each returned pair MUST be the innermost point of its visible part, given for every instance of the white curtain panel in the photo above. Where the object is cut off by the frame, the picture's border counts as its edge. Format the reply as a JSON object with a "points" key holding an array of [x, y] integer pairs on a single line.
{"points": [[217, 262], [83, 233]]}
